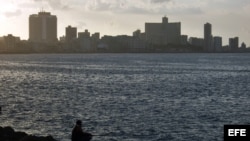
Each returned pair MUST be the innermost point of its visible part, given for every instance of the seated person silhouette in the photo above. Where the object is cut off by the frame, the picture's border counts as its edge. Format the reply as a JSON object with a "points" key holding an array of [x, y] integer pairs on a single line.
{"points": [[78, 134]]}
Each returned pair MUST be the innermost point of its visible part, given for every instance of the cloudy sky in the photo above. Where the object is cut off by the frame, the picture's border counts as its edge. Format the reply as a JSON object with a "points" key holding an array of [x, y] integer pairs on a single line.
{"points": [[229, 18]]}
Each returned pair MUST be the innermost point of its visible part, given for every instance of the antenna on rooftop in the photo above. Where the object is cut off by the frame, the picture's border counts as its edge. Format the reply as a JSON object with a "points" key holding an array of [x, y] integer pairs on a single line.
{"points": [[42, 10]]}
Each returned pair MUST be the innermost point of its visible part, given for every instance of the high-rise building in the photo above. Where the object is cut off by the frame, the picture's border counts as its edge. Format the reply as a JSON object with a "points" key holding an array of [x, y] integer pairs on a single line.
{"points": [[217, 43], [43, 27], [208, 38], [71, 33], [234, 43], [163, 33]]}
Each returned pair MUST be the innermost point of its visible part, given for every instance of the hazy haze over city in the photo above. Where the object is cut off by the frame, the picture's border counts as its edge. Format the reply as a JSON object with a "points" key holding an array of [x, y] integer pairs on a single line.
{"points": [[229, 18]]}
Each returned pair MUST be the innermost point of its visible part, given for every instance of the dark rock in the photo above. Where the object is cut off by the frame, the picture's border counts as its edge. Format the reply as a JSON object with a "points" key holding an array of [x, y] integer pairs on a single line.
{"points": [[35, 138], [8, 130], [19, 135], [9, 134], [1, 130]]}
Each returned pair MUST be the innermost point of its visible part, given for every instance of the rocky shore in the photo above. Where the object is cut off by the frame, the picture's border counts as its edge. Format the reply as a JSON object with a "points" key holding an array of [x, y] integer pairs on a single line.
{"points": [[9, 134]]}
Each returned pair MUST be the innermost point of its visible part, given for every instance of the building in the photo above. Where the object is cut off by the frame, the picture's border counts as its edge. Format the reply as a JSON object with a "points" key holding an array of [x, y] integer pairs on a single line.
{"points": [[217, 43], [184, 39], [96, 36], [208, 38], [62, 39], [234, 43], [199, 42], [71, 33], [243, 46], [84, 41], [43, 27], [163, 33], [85, 34], [95, 40], [11, 41], [137, 33]]}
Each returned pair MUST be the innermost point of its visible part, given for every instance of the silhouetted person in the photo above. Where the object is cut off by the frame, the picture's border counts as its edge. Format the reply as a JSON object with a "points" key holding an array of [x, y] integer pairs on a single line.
{"points": [[78, 134]]}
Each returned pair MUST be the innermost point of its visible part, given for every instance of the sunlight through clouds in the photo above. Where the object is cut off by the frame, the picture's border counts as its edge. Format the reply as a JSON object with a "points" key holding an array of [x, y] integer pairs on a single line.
{"points": [[8, 7]]}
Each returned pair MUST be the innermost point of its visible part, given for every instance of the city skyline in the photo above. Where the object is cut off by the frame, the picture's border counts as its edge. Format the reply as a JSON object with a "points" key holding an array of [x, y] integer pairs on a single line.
{"points": [[229, 18]]}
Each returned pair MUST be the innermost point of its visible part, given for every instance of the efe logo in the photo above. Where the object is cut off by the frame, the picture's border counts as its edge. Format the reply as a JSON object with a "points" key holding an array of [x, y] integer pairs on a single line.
{"points": [[236, 132]]}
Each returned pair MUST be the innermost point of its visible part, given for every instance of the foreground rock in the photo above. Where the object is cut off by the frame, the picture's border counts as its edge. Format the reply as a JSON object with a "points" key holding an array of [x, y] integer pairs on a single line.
{"points": [[9, 134]]}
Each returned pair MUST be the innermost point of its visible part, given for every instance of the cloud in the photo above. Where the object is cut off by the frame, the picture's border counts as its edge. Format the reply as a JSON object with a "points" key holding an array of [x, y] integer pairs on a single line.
{"points": [[142, 7], [106, 5], [138, 10], [246, 8], [138, 7], [13, 14], [160, 1], [55, 4], [81, 25], [191, 11], [123, 6], [99, 5]]}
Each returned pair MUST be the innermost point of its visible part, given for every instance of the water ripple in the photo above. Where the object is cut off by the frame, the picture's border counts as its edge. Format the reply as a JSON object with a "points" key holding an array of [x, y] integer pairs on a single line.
{"points": [[128, 97]]}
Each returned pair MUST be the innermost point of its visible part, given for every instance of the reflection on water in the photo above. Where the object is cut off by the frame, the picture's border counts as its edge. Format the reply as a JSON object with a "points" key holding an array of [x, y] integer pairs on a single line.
{"points": [[128, 97]]}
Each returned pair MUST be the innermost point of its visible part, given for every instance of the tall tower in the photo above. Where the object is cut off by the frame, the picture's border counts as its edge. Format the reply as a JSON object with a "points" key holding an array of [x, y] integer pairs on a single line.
{"points": [[43, 27], [208, 38]]}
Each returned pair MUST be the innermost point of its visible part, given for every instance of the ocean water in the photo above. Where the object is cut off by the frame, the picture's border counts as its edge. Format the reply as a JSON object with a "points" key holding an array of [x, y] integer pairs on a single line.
{"points": [[126, 97]]}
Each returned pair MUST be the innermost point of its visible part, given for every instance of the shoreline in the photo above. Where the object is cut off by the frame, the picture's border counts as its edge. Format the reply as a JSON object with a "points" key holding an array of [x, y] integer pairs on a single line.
{"points": [[9, 134], [3, 53]]}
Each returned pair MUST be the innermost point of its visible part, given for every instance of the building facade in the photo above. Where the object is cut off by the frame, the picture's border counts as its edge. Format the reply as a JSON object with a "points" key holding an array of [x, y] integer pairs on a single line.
{"points": [[208, 38], [42, 27], [217, 43], [137, 33], [85, 34], [184, 39], [163, 33], [71, 33], [96, 36], [234, 43], [84, 40], [199, 42]]}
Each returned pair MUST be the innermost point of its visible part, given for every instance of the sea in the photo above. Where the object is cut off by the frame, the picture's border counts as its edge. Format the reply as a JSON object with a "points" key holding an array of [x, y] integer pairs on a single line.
{"points": [[126, 97]]}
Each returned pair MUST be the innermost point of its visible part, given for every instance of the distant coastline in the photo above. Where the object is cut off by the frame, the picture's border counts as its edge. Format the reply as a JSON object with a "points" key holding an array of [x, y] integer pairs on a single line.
{"points": [[56, 50], [113, 46], [13, 53]]}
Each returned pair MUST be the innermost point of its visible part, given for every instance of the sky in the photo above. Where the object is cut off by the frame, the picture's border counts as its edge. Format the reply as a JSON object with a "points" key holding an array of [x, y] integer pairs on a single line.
{"points": [[229, 18]]}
